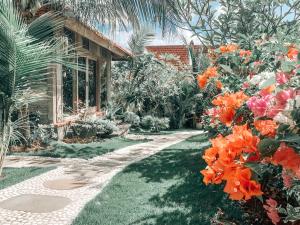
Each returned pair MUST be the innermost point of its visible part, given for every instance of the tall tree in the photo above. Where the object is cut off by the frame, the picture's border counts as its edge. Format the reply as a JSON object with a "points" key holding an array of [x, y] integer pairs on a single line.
{"points": [[217, 22]]}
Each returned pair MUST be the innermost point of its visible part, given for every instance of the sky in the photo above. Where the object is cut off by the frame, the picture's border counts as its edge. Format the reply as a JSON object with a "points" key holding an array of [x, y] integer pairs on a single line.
{"points": [[122, 37]]}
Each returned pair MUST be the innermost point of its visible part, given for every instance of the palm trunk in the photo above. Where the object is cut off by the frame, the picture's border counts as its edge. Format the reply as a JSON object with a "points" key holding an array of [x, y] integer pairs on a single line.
{"points": [[4, 144]]}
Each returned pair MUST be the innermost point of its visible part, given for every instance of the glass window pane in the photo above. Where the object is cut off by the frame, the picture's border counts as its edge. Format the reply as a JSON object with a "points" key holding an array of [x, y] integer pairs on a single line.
{"points": [[92, 82], [81, 82], [68, 89]]}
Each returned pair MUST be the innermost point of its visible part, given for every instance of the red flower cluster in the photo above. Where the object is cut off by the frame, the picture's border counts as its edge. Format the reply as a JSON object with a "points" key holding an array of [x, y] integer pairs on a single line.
{"points": [[225, 161]]}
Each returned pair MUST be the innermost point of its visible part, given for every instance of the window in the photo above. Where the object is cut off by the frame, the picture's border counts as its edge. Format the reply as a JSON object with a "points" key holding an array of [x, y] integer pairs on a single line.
{"points": [[82, 82], [68, 89], [85, 43], [92, 82], [70, 35], [104, 86]]}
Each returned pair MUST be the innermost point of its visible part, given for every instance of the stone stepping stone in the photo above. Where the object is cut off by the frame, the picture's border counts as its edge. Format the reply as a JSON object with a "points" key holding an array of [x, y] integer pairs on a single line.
{"points": [[35, 203], [65, 184]]}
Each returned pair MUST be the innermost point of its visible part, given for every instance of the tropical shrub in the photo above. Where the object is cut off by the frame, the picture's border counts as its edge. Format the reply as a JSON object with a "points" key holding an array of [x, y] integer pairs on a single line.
{"points": [[147, 86], [155, 124], [92, 128], [255, 116], [131, 118]]}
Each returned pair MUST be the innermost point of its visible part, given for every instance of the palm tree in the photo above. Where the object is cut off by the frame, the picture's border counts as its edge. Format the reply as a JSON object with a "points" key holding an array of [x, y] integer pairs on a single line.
{"points": [[24, 64], [116, 13]]}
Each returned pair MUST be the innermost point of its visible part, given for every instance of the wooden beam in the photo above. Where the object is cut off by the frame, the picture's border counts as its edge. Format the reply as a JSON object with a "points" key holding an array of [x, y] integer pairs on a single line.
{"points": [[96, 37]]}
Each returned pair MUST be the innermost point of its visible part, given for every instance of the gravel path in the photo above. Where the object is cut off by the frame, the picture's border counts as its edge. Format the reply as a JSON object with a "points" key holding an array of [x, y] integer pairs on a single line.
{"points": [[57, 197]]}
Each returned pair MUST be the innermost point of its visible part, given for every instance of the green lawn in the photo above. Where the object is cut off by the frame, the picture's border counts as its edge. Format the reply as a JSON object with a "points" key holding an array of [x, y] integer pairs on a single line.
{"points": [[16, 175], [164, 189], [85, 151]]}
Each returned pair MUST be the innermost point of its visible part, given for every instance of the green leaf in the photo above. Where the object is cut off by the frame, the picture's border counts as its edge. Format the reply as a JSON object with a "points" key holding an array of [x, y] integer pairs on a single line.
{"points": [[291, 139], [268, 146], [293, 213], [257, 168], [287, 66], [226, 68], [283, 128]]}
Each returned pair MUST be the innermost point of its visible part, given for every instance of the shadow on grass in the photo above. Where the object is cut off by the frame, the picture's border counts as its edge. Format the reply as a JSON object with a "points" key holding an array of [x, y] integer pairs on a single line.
{"points": [[181, 165]]}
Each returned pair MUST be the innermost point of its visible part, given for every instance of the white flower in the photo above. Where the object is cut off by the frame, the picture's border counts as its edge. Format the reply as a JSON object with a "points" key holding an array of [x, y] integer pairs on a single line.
{"points": [[281, 118], [263, 79]]}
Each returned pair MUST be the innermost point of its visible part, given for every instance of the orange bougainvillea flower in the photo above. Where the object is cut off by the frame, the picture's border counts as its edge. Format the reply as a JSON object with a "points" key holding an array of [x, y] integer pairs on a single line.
{"points": [[211, 72], [267, 90], [235, 100], [211, 176], [219, 84], [226, 115], [266, 127], [292, 53], [204, 78], [229, 48], [202, 81], [245, 53], [240, 186], [225, 163], [288, 159], [243, 139], [227, 106], [210, 155]]}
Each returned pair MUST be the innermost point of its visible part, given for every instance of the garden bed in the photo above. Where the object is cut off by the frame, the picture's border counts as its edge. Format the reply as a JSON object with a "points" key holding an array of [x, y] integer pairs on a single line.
{"points": [[85, 151]]}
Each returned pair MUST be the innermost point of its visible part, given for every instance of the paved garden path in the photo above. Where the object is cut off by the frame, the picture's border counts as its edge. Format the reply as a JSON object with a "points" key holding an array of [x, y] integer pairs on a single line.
{"points": [[57, 197]]}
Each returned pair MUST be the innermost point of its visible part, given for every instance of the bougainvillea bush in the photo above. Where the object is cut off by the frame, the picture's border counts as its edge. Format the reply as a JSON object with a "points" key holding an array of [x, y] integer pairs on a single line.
{"points": [[255, 112]]}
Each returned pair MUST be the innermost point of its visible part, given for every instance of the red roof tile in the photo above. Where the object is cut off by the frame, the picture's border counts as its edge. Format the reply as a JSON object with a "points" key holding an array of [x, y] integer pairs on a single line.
{"points": [[181, 51]]}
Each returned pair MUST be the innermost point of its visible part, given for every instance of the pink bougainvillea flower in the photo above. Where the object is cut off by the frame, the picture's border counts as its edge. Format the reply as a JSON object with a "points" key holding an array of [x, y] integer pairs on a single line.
{"points": [[259, 105], [272, 211], [287, 179], [257, 63], [245, 53], [246, 85], [283, 96], [282, 78]]}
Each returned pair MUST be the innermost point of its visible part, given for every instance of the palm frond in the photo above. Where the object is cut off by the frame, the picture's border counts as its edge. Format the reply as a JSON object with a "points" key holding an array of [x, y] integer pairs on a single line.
{"points": [[118, 13], [139, 40]]}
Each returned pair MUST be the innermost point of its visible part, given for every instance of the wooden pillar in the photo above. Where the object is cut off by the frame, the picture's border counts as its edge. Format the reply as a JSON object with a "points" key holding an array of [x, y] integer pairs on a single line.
{"points": [[59, 94], [75, 78], [75, 88], [52, 94], [108, 77], [87, 83], [98, 84]]}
